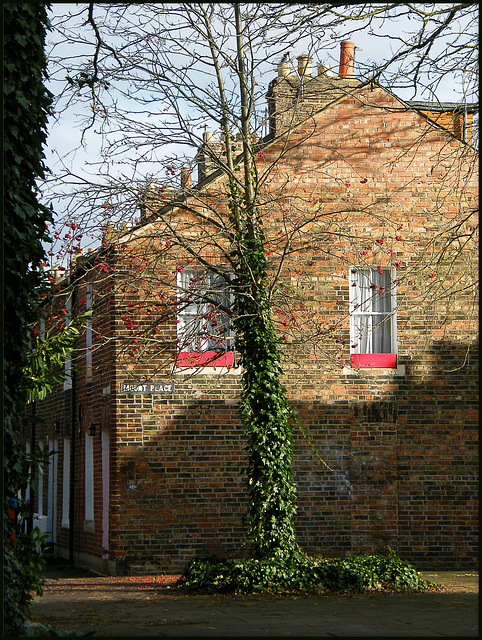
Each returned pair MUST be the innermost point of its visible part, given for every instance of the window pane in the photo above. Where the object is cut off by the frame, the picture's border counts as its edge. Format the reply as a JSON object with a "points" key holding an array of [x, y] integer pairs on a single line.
{"points": [[381, 293], [363, 337], [88, 333], [360, 290], [382, 335]]}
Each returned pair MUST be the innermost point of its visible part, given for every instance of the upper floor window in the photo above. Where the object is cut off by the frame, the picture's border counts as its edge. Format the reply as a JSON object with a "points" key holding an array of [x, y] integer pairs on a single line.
{"points": [[204, 330], [373, 329]]}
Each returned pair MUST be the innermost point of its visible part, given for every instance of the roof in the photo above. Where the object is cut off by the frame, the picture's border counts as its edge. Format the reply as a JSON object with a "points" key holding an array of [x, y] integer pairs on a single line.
{"points": [[469, 107]]}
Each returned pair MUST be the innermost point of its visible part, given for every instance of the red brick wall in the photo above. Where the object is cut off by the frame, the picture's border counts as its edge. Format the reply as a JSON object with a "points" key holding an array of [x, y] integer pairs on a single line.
{"points": [[393, 458], [393, 443]]}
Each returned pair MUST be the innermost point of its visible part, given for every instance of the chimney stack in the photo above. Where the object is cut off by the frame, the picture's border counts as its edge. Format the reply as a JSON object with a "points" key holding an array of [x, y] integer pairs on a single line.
{"points": [[304, 65], [208, 136], [347, 59]]}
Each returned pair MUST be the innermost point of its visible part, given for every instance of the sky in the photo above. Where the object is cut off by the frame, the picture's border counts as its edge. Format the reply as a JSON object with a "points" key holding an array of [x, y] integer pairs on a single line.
{"points": [[65, 153], [65, 134]]}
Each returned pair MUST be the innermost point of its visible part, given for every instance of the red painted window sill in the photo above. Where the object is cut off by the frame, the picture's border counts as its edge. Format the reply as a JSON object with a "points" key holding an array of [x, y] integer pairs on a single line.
{"points": [[205, 359], [374, 360]]}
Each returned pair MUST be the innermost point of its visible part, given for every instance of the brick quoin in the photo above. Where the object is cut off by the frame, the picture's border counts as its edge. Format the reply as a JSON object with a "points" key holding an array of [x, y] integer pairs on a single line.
{"points": [[391, 459]]}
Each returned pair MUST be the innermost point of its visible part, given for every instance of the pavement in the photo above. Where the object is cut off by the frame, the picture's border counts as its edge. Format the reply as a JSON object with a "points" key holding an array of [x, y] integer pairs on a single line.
{"points": [[143, 606]]}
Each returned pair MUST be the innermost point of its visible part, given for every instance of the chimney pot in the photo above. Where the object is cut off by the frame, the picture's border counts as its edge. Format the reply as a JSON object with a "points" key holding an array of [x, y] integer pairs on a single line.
{"points": [[324, 70], [347, 59], [186, 177], [304, 65], [284, 67]]}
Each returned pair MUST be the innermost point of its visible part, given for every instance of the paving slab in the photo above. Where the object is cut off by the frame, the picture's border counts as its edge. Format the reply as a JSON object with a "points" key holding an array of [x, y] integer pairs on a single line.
{"points": [[150, 607]]}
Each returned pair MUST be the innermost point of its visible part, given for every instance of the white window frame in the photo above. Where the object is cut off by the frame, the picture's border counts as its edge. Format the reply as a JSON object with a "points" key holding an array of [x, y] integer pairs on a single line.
{"points": [[41, 517], [362, 299], [190, 315]]}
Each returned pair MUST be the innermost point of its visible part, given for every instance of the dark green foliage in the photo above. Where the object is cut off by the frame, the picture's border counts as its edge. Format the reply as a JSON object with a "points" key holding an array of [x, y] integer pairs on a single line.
{"points": [[23, 563], [26, 108], [264, 407], [46, 357], [266, 416], [206, 573], [302, 574], [86, 80]]}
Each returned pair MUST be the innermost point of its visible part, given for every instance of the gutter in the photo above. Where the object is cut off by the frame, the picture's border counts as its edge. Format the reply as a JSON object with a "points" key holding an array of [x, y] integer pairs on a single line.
{"points": [[470, 107]]}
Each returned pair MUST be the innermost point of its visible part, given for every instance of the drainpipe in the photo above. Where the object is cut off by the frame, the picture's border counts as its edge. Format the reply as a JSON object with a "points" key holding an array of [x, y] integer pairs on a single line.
{"points": [[72, 450], [29, 523], [72, 476]]}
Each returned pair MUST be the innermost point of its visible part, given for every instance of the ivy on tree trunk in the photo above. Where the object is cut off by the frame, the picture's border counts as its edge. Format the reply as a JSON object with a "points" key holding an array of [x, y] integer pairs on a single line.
{"points": [[266, 414]]}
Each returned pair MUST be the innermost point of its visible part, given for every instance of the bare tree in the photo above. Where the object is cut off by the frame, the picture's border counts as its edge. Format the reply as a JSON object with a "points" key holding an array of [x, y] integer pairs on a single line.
{"points": [[230, 258]]}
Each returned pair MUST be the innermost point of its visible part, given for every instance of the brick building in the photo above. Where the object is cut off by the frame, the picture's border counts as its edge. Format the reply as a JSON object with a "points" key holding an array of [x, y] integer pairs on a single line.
{"points": [[376, 316]]}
